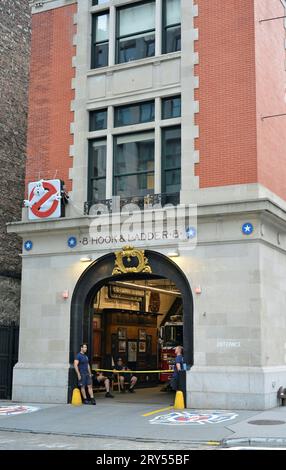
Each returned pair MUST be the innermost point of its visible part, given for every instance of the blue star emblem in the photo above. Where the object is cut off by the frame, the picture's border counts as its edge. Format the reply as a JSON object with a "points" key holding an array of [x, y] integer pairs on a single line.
{"points": [[28, 245], [191, 232], [72, 242], [247, 228]]}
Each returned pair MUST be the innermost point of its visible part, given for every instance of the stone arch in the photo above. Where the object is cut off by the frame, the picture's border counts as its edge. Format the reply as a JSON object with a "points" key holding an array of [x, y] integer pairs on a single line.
{"points": [[100, 272]]}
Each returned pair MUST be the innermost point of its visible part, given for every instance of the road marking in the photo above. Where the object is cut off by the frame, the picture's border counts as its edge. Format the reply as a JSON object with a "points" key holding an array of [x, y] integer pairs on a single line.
{"points": [[158, 411]]}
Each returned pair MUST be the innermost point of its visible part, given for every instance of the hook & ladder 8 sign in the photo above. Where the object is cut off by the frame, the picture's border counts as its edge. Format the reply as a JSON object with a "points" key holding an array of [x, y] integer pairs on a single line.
{"points": [[44, 199]]}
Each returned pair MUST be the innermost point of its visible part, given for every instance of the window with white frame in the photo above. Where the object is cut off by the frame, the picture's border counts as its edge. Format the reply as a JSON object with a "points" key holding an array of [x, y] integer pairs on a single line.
{"points": [[135, 113], [171, 107], [135, 26], [99, 2], [171, 159], [171, 26], [132, 154], [100, 40], [97, 170], [135, 37], [97, 120], [134, 164]]}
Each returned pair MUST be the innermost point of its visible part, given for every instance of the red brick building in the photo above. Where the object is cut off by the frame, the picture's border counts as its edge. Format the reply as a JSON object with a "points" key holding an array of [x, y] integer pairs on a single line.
{"points": [[170, 101]]}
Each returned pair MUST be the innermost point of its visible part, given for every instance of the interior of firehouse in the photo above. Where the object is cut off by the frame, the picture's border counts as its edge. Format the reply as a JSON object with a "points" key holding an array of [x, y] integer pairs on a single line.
{"points": [[139, 322]]}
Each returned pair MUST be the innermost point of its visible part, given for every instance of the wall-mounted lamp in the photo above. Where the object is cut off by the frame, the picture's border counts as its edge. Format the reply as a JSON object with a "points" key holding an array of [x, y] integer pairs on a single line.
{"points": [[198, 290], [173, 254], [85, 259], [65, 294]]}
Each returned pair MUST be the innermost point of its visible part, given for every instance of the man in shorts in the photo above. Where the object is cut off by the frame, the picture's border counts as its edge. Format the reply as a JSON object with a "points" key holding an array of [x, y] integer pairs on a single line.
{"points": [[84, 374]]}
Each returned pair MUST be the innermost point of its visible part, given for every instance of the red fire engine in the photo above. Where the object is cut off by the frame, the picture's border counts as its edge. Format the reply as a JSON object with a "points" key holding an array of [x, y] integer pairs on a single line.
{"points": [[171, 335]]}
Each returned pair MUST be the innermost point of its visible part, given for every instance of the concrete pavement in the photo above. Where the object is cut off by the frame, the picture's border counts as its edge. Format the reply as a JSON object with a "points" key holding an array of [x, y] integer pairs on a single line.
{"points": [[130, 418]]}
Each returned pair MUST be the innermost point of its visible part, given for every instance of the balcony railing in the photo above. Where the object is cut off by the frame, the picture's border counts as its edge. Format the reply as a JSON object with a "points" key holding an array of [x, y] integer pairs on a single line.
{"points": [[117, 203]]}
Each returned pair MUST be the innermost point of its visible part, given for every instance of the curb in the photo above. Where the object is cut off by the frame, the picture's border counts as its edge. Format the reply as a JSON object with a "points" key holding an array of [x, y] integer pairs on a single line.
{"points": [[245, 441]]}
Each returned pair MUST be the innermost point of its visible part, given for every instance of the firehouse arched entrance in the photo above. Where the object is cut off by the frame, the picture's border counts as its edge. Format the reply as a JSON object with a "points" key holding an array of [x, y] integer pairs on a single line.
{"points": [[98, 274]]}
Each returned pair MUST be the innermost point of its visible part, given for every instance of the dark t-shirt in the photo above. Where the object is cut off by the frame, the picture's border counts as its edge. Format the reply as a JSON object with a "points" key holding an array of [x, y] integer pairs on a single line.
{"points": [[82, 363], [179, 360], [118, 367]]}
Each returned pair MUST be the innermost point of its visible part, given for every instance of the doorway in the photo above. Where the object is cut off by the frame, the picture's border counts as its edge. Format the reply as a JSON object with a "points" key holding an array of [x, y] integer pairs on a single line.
{"points": [[132, 330]]}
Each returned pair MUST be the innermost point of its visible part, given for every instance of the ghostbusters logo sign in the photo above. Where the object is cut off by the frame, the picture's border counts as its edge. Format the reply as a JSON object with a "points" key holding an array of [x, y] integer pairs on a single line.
{"points": [[44, 199], [194, 418]]}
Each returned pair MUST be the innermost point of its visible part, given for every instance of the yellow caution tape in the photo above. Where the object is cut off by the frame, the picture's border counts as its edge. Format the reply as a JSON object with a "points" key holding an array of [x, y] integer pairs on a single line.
{"points": [[114, 371]]}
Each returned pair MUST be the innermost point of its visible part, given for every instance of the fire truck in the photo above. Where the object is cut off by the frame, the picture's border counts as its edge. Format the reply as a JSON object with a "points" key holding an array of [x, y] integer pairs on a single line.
{"points": [[171, 335]]}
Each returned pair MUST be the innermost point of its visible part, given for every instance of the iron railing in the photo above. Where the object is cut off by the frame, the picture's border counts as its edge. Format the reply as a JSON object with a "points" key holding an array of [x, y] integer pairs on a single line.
{"points": [[117, 203]]}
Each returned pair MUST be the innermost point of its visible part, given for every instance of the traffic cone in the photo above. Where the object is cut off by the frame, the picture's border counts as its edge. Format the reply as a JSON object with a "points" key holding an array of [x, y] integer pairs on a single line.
{"points": [[76, 397], [179, 401]]}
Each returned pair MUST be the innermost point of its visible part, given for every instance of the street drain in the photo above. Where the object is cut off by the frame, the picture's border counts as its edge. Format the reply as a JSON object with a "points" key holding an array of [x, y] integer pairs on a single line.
{"points": [[266, 422]]}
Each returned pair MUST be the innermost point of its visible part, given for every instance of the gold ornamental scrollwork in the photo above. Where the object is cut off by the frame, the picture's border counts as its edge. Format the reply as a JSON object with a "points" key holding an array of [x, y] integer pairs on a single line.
{"points": [[129, 252]]}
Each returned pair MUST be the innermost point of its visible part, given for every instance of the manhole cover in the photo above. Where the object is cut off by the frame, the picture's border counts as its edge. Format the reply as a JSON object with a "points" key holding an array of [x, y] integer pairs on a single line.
{"points": [[266, 422]]}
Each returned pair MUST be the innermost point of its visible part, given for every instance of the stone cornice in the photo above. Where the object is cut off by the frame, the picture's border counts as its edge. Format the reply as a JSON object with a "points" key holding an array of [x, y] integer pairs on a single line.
{"points": [[264, 207]]}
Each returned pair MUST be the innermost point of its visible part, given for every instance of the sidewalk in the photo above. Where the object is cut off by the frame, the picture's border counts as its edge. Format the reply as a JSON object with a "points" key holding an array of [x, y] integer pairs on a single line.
{"points": [[139, 422]]}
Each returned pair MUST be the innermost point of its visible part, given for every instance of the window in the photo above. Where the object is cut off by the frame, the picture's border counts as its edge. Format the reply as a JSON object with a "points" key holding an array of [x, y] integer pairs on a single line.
{"points": [[171, 107], [99, 2], [171, 160], [97, 170], [134, 164], [136, 32], [100, 36], [171, 26], [97, 120], [134, 114]]}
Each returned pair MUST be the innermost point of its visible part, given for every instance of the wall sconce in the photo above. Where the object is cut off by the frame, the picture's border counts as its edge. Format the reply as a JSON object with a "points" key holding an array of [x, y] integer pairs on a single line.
{"points": [[198, 290], [65, 294], [85, 259], [173, 254]]}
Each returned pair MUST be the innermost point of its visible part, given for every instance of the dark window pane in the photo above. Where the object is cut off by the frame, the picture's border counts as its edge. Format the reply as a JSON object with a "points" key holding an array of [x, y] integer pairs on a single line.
{"points": [[134, 165], [172, 181], [134, 185], [136, 32], [147, 112], [132, 157], [172, 25], [171, 107], [171, 160], [100, 37], [137, 47], [97, 120], [134, 114], [97, 170], [98, 190], [100, 58], [173, 39]]}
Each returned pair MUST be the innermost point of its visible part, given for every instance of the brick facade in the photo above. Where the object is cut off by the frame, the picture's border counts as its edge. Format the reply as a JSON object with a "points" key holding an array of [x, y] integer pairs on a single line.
{"points": [[271, 95], [50, 95], [242, 79], [226, 70], [15, 46]]}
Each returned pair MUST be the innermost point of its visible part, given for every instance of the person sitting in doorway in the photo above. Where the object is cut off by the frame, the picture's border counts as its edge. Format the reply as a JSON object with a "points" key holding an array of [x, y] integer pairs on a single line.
{"points": [[98, 379], [131, 379]]}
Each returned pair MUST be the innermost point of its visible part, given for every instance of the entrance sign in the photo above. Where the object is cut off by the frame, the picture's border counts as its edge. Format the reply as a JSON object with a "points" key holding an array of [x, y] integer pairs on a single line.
{"points": [[44, 199]]}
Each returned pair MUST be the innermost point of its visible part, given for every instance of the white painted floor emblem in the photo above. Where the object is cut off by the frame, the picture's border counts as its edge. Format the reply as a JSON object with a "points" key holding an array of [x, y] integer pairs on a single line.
{"points": [[195, 417], [16, 410]]}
